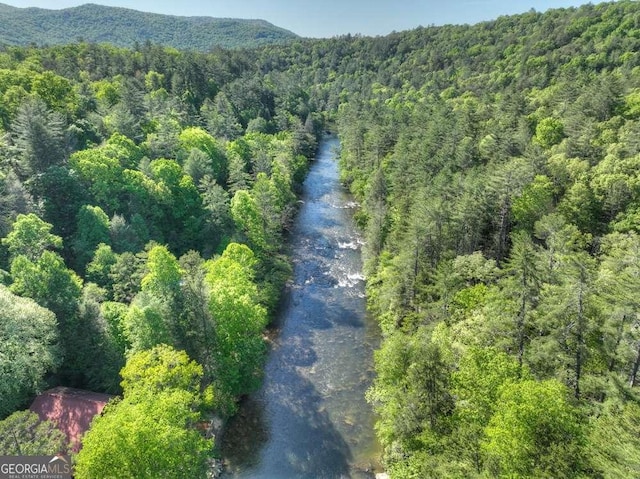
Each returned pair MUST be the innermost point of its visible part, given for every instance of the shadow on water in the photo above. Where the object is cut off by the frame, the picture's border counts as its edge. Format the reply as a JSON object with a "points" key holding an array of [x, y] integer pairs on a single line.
{"points": [[323, 453], [293, 403], [310, 419]]}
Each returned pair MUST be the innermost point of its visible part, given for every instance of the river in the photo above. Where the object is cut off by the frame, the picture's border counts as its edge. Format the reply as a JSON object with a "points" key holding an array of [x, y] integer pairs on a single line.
{"points": [[310, 418]]}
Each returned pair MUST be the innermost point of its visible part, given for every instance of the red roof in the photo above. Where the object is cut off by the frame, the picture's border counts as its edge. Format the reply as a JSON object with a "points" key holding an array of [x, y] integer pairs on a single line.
{"points": [[72, 410]]}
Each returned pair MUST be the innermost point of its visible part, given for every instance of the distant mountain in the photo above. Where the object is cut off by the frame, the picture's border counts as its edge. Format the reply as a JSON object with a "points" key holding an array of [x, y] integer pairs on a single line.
{"points": [[124, 27], [6, 8]]}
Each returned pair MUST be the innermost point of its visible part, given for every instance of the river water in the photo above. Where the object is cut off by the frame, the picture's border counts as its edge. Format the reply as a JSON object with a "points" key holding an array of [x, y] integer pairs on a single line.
{"points": [[310, 419]]}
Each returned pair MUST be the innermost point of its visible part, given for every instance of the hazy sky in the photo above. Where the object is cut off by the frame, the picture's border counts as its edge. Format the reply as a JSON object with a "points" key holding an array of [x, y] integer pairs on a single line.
{"points": [[326, 18]]}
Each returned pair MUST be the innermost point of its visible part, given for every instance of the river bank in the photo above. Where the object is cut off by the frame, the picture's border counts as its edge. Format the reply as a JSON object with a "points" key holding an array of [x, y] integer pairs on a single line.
{"points": [[310, 418]]}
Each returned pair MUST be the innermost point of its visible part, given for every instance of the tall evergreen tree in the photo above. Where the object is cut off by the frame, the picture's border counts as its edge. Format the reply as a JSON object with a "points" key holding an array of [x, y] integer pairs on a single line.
{"points": [[39, 137]]}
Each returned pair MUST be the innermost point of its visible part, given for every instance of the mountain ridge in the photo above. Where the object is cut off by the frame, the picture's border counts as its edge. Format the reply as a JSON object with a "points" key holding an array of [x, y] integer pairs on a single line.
{"points": [[124, 27]]}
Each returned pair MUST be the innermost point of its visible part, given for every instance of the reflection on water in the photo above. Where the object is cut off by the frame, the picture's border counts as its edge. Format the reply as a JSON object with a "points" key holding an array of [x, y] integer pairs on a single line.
{"points": [[310, 419]]}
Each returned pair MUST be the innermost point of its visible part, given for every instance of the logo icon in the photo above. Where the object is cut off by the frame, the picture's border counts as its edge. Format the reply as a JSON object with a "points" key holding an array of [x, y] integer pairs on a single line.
{"points": [[35, 467]]}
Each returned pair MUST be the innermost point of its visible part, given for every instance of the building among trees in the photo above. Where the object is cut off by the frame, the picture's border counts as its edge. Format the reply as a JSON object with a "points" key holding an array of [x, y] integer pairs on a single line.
{"points": [[72, 410]]}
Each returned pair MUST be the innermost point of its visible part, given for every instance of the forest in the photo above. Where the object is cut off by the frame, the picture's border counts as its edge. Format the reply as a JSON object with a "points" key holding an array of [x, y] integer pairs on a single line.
{"points": [[146, 196], [124, 27]]}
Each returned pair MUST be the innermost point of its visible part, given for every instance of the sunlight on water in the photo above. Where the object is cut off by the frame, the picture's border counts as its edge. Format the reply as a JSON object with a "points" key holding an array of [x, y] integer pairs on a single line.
{"points": [[310, 419]]}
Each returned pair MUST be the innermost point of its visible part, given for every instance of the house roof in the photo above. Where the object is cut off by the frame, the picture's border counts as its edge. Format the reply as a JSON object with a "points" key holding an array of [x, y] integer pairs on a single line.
{"points": [[72, 410]]}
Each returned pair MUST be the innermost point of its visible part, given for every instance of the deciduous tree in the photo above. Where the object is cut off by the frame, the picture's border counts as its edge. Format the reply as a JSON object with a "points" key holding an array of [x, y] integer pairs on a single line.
{"points": [[24, 434], [29, 349], [534, 432]]}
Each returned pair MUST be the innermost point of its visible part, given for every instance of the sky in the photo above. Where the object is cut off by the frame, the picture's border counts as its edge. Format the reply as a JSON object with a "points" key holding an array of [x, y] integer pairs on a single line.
{"points": [[327, 18]]}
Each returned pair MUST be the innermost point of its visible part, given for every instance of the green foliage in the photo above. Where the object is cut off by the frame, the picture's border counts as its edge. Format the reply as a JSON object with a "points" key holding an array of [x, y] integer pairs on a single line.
{"points": [[535, 201], [239, 156], [178, 202], [221, 117], [519, 151], [491, 164], [38, 134], [29, 349], [107, 146], [61, 194], [163, 141], [412, 394], [124, 28], [30, 237], [245, 213], [477, 382], [164, 275], [99, 352], [99, 268], [195, 320], [239, 322], [198, 165], [157, 370], [114, 314], [151, 432], [56, 91], [125, 276], [23, 434], [92, 230], [534, 432], [613, 442], [215, 201], [145, 440], [50, 283], [147, 323], [53, 286], [15, 200], [569, 317], [615, 183], [101, 170], [632, 104], [549, 132], [198, 139]]}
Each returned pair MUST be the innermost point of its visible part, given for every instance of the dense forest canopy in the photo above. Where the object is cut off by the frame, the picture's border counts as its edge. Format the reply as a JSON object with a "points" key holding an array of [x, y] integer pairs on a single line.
{"points": [[125, 27], [146, 193], [496, 166], [145, 196]]}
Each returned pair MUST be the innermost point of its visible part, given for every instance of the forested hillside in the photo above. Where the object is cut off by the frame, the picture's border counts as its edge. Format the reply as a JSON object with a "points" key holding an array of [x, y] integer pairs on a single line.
{"points": [[125, 28], [498, 170], [497, 166], [144, 200]]}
